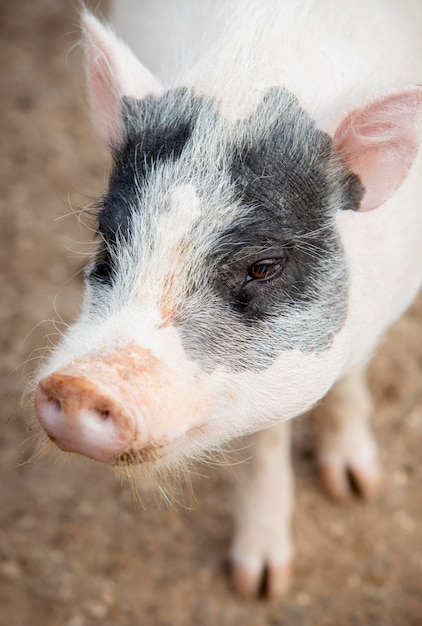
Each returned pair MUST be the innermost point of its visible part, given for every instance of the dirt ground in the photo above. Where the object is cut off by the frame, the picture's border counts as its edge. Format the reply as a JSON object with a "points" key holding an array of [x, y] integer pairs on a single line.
{"points": [[74, 549]]}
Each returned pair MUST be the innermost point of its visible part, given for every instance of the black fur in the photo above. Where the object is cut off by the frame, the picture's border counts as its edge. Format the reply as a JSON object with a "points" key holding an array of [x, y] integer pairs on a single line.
{"points": [[149, 140], [287, 183]]}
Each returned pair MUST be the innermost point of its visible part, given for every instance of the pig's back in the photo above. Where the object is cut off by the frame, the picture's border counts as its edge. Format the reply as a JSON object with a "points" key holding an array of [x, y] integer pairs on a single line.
{"points": [[324, 52]]}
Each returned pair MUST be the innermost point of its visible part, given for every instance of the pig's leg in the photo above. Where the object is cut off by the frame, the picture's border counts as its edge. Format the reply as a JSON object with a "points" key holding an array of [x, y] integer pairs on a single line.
{"points": [[262, 548], [347, 453]]}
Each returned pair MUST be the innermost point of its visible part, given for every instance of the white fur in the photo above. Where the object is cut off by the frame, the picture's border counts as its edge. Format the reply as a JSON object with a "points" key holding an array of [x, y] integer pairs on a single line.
{"points": [[325, 53]]}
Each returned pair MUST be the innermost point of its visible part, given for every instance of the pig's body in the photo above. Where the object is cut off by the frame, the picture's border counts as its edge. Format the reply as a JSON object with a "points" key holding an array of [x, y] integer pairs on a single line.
{"points": [[243, 270]]}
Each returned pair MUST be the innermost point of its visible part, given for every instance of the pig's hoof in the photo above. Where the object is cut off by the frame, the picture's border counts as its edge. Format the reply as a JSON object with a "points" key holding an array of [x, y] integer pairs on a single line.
{"points": [[340, 480], [266, 580]]}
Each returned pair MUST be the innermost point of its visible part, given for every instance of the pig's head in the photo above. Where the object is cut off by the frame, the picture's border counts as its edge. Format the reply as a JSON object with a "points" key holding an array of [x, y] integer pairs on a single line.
{"points": [[216, 303]]}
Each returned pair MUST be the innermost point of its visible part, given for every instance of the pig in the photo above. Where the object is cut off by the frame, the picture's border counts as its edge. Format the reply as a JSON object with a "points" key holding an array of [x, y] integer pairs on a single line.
{"points": [[261, 230]]}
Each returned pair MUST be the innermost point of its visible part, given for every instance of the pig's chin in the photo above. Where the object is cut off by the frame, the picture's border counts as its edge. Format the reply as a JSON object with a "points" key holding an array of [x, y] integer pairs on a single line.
{"points": [[158, 453], [165, 453], [134, 456]]}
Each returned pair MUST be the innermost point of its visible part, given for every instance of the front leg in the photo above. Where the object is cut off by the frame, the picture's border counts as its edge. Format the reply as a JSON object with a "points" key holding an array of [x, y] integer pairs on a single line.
{"points": [[347, 453], [262, 548]]}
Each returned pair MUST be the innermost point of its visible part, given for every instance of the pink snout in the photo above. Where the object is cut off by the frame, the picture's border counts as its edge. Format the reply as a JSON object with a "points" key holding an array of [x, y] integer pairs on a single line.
{"points": [[122, 406], [83, 416]]}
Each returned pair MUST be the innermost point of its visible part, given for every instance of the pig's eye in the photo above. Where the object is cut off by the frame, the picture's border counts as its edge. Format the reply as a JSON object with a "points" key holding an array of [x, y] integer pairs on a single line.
{"points": [[265, 269]]}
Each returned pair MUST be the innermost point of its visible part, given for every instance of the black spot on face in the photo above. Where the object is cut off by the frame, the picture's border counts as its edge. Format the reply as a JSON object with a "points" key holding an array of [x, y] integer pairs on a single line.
{"points": [[156, 131], [286, 181], [288, 185]]}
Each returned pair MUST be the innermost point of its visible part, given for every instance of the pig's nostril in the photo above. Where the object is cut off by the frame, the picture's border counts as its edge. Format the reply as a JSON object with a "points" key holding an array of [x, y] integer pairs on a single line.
{"points": [[96, 414], [55, 403]]}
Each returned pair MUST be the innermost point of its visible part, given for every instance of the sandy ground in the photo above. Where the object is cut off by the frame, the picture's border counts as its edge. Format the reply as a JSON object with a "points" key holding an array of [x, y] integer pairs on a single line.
{"points": [[74, 549]]}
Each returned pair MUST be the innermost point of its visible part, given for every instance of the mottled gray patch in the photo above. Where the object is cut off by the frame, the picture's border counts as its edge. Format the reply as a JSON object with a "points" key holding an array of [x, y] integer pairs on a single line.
{"points": [[269, 188], [157, 130], [288, 185]]}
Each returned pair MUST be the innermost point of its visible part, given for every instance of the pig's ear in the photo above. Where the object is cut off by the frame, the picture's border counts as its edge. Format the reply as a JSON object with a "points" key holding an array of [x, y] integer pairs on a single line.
{"points": [[379, 143], [112, 72]]}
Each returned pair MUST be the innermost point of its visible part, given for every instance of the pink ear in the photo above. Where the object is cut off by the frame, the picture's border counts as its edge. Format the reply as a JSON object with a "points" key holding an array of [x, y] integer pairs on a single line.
{"points": [[112, 72], [379, 143]]}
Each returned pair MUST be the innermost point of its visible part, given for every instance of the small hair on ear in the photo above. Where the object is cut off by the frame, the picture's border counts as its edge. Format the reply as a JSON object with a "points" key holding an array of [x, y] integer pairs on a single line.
{"points": [[379, 142]]}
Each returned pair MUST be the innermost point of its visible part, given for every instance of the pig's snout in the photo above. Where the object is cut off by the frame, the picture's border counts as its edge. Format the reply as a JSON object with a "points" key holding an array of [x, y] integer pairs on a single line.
{"points": [[125, 406], [82, 416]]}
